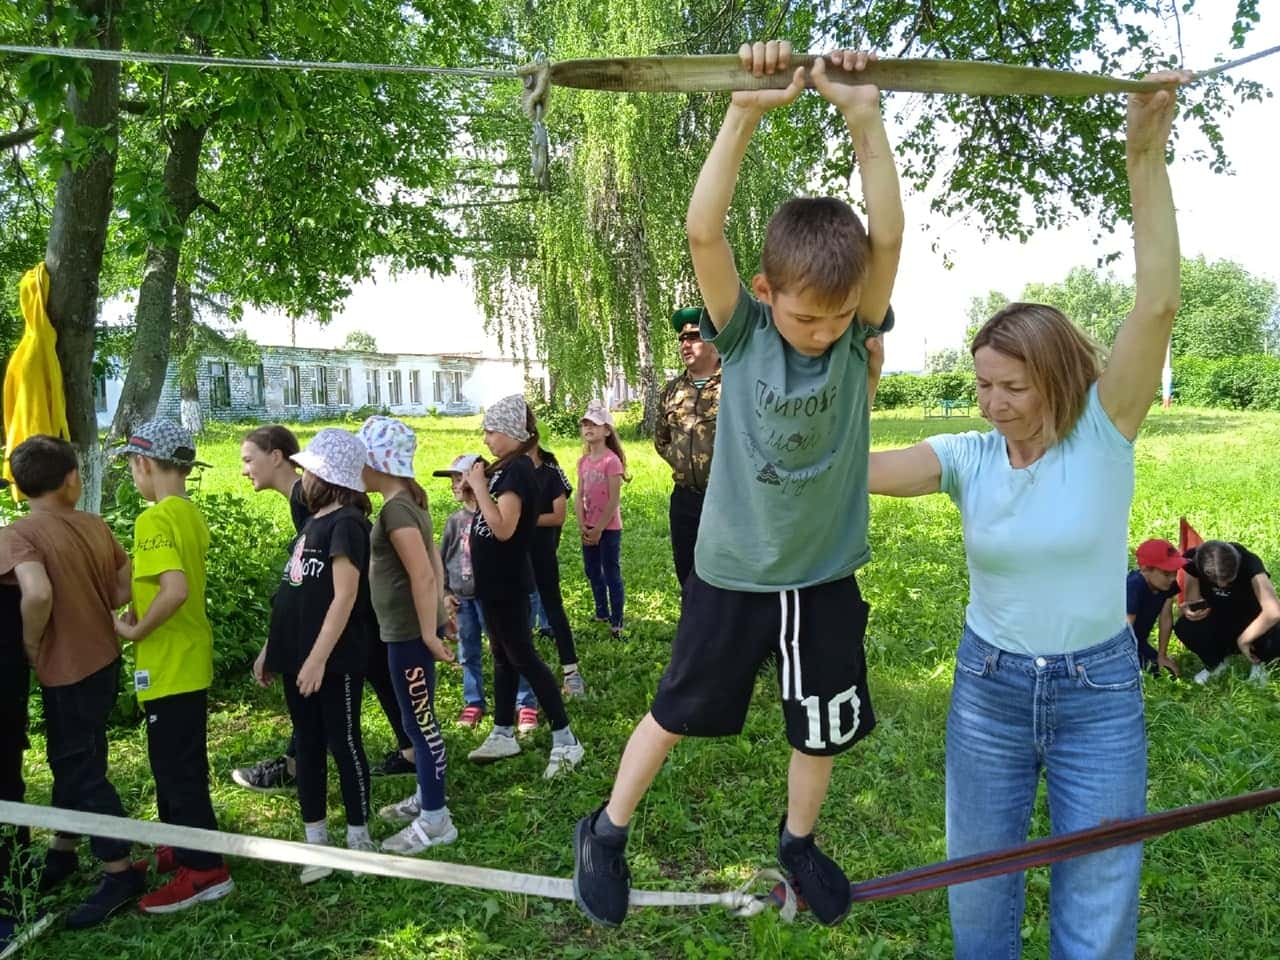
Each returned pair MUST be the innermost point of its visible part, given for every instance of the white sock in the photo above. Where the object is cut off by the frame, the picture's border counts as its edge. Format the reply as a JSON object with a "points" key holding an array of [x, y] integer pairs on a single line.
{"points": [[570, 669], [503, 731], [434, 818], [563, 737], [317, 832], [356, 835]]}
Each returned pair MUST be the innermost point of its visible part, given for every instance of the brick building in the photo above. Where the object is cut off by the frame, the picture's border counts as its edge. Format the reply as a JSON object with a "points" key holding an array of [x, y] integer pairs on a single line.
{"points": [[305, 383]]}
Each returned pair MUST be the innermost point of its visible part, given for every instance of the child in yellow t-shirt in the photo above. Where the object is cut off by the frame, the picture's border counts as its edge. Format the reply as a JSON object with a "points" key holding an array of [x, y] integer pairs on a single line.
{"points": [[173, 654]]}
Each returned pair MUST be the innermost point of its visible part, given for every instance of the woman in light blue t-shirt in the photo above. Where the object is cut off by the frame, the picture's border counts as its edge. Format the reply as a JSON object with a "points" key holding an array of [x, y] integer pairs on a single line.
{"points": [[1047, 675]]}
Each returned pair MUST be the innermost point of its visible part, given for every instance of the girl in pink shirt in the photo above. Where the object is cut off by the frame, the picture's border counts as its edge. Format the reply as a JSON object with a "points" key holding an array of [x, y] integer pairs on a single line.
{"points": [[601, 470]]}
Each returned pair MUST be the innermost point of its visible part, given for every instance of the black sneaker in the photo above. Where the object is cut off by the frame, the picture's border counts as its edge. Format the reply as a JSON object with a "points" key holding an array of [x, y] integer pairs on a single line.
{"points": [[115, 892], [601, 878], [59, 866], [269, 776], [816, 878], [393, 764]]}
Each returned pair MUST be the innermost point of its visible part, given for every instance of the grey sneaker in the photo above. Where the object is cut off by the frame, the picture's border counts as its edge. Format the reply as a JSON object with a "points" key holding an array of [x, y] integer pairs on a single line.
{"points": [[1258, 674], [419, 835], [563, 757], [495, 747], [575, 688], [402, 812]]}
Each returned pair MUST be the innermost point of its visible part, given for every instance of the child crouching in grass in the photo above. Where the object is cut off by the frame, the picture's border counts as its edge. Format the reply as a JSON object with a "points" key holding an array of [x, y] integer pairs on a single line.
{"points": [[320, 619], [406, 582], [173, 657]]}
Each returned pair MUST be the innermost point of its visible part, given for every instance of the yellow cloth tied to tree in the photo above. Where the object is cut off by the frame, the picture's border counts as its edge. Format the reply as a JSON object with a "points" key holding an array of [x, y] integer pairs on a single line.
{"points": [[34, 401]]}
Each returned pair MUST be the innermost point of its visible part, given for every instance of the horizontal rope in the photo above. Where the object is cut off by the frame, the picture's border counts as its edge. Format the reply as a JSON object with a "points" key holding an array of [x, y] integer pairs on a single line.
{"points": [[252, 63]]}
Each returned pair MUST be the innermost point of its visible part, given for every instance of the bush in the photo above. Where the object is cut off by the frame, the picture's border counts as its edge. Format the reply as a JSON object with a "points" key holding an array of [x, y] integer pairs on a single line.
{"points": [[913, 390], [555, 419], [1249, 382]]}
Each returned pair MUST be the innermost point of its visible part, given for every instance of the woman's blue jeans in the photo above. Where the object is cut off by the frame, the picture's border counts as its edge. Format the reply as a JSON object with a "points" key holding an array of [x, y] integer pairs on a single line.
{"points": [[1078, 718]]}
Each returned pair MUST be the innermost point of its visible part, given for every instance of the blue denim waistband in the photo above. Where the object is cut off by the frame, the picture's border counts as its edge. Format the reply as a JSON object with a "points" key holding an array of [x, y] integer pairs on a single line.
{"points": [[1064, 664]]}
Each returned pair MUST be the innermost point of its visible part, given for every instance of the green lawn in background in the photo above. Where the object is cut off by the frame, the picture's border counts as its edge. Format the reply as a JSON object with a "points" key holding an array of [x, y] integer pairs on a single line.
{"points": [[710, 820]]}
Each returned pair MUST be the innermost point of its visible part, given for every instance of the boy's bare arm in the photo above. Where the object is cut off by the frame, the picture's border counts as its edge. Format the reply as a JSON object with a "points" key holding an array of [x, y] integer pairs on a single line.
{"points": [[712, 256], [36, 605], [123, 592], [172, 595], [860, 106]]}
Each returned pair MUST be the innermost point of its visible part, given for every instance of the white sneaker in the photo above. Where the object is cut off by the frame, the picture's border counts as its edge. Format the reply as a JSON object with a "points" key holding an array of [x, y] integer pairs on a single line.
{"points": [[563, 757], [419, 835], [1258, 674], [311, 873], [1204, 676], [495, 747], [363, 845], [402, 812]]}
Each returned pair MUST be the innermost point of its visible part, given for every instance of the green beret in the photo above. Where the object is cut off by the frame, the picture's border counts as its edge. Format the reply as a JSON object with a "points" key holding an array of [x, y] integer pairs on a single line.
{"points": [[682, 318]]}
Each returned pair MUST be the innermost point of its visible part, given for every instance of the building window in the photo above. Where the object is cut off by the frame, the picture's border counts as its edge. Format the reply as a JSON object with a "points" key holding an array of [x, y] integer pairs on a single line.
{"points": [[372, 388], [219, 388], [100, 394], [415, 386], [437, 387], [393, 388], [321, 387], [455, 381], [344, 387], [292, 387], [253, 375]]}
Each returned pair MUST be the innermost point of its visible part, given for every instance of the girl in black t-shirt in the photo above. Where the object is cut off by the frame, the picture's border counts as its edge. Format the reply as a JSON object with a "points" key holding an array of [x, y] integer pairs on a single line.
{"points": [[320, 623], [1230, 607], [554, 491], [501, 536]]}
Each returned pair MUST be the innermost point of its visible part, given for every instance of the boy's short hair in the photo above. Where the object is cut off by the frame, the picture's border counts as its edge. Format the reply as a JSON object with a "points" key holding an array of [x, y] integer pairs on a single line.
{"points": [[816, 245], [40, 464]]}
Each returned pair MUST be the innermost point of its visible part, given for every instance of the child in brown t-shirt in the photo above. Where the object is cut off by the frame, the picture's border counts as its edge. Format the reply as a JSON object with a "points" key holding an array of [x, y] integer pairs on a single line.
{"points": [[72, 575]]}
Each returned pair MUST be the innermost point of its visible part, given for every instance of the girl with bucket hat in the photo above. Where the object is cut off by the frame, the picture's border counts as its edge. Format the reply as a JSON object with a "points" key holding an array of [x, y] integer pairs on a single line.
{"points": [[320, 619], [501, 535], [406, 580]]}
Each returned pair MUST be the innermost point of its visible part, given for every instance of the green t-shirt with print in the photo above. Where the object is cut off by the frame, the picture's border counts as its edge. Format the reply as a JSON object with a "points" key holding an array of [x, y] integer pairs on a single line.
{"points": [[178, 656], [787, 502]]}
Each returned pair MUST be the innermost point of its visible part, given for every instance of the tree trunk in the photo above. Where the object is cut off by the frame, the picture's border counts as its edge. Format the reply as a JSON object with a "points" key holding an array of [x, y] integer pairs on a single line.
{"points": [[77, 238], [184, 342], [640, 305], [153, 319]]}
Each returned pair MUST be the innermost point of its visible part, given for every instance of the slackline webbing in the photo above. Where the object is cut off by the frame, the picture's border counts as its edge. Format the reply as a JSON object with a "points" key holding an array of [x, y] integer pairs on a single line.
{"points": [[695, 74], [962, 870]]}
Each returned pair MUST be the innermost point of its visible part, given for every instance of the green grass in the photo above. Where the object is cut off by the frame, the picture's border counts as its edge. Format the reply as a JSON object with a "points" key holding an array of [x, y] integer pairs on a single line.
{"points": [[710, 818]]}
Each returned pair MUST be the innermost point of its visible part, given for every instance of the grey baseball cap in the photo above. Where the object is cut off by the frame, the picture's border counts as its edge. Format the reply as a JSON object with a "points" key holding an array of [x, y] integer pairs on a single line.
{"points": [[460, 464], [162, 440]]}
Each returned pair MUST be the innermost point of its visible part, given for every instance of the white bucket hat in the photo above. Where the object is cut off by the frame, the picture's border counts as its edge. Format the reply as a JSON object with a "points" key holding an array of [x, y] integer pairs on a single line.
{"points": [[336, 457], [391, 444]]}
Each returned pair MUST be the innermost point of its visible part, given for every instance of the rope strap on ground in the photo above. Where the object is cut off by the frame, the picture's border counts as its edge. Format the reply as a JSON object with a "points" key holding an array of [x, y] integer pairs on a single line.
{"points": [[742, 902]]}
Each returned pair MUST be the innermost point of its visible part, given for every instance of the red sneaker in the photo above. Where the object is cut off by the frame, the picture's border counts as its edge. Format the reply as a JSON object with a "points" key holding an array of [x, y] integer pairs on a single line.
{"points": [[470, 716], [166, 861], [526, 720], [188, 888]]}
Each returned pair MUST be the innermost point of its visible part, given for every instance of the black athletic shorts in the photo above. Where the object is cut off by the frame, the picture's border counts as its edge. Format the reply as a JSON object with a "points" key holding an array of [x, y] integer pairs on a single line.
{"points": [[815, 637]]}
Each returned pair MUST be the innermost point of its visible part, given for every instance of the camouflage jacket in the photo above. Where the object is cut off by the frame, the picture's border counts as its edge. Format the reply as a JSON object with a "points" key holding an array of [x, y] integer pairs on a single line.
{"points": [[686, 429]]}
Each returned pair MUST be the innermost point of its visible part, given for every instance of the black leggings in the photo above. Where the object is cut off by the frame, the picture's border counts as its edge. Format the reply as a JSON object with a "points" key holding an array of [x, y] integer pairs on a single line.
{"points": [[378, 675], [329, 721], [511, 640], [546, 576], [1213, 639]]}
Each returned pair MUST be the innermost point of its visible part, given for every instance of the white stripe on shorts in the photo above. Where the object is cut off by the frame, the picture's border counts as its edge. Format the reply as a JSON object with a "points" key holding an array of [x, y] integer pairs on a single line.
{"points": [[782, 645]]}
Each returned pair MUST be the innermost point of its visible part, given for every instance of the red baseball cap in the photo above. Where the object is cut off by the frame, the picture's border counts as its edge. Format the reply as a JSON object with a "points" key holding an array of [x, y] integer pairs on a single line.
{"points": [[1160, 554]]}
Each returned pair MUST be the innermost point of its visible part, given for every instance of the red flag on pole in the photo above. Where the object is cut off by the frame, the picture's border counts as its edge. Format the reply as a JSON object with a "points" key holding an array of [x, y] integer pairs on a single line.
{"points": [[1188, 537]]}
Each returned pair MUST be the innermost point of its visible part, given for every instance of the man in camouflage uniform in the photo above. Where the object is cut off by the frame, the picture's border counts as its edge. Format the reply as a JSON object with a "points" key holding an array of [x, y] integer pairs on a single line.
{"points": [[686, 432]]}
